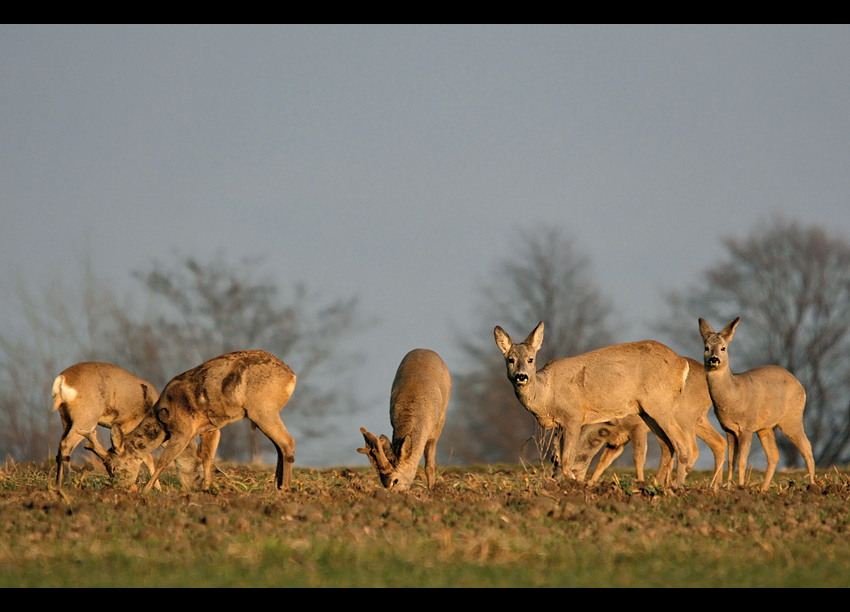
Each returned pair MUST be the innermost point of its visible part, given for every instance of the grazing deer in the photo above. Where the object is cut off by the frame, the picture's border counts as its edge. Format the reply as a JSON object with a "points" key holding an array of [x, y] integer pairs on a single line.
{"points": [[756, 401], [245, 384], [644, 378], [123, 461], [418, 402], [690, 412], [89, 394]]}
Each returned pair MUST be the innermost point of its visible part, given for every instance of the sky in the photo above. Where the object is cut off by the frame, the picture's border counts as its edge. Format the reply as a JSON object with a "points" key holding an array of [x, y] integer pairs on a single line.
{"points": [[397, 163]]}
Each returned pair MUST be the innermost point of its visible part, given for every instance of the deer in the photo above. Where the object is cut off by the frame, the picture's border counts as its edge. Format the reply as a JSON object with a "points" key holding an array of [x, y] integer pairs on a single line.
{"points": [[644, 378], [91, 393], [691, 412], [611, 437], [418, 401], [754, 402], [249, 384]]}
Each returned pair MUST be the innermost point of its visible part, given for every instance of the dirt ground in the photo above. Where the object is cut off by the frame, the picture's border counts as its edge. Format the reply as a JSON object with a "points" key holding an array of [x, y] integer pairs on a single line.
{"points": [[475, 517], [477, 487]]}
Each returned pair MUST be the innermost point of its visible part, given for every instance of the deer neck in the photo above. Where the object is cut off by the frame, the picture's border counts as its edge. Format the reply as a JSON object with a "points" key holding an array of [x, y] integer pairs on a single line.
{"points": [[721, 385], [534, 395]]}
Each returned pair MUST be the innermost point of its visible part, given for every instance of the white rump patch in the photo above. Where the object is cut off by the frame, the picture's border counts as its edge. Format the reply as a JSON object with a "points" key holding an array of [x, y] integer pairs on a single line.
{"points": [[60, 389]]}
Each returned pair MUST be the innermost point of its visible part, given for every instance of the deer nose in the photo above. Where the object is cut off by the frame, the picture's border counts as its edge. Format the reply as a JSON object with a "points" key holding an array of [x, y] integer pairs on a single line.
{"points": [[713, 360], [521, 378]]}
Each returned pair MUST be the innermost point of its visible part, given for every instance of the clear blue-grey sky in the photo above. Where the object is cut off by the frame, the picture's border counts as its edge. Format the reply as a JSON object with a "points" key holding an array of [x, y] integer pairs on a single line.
{"points": [[397, 162]]}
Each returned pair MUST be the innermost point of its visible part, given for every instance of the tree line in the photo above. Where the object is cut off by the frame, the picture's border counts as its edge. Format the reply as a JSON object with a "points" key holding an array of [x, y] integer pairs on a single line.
{"points": [[789, 283], [187, 312]]}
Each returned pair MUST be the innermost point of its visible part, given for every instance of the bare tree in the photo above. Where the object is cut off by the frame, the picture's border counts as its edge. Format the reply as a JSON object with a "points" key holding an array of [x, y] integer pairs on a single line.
{"points": [[43, 333], [180, 316], [790, 285], [208, 309], [545, 279]]}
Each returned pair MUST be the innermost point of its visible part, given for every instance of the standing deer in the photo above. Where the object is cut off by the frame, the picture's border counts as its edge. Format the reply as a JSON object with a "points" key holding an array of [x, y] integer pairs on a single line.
{"points": [[418, 402], [690, 413], [644, 378], [756, 401], [89, 394], [245, 384]]}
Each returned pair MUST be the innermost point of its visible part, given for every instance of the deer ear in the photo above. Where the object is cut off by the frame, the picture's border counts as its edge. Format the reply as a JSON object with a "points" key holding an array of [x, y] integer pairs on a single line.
{"points": [[389, 451], [705, 330], [535, 338], [503, 340], [729, 331], [405, 449]]}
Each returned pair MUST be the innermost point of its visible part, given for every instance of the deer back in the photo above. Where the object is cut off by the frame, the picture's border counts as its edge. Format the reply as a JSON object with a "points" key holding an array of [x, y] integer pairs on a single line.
{"points": [[102, 394], [419, 395], [219, 391], [613, 381]]}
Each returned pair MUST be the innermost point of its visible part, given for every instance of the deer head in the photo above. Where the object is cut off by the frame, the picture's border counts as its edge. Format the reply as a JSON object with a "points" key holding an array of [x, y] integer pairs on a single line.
{"points": [[520, 359], [114, 459], [716, 356], [393, 464]]}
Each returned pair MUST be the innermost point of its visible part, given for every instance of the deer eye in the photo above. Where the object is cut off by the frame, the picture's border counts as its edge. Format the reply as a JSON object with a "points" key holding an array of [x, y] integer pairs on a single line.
{"points": [[531, 360], [511, 360]]}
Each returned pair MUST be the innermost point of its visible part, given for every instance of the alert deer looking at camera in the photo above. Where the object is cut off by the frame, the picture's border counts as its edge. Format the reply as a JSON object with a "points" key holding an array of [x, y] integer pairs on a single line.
{"points": [[644, 378], [245, 384], [690, 412], [89, 394], [418, 402], [756, 401]]}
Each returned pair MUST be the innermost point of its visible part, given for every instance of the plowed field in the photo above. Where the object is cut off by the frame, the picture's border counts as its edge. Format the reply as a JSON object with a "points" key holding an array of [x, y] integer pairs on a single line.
{"points": [[502, 526]]}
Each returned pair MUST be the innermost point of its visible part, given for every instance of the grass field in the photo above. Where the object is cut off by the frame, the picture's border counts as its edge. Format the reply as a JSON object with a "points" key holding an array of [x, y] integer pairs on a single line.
{"points": [[484, 526]]}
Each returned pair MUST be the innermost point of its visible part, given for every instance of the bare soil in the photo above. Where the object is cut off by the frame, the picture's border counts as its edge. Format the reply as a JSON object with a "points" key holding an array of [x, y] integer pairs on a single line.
{"points": [[483, 525]]}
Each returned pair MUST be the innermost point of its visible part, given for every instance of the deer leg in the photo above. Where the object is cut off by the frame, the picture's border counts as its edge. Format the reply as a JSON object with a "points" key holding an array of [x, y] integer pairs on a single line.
{"points": [[665, 427], [177, 443], [589, 445], [639, 453], [431, 462], [570, 434], [693, 447], [609, 454], [209, 445], [665, 467], [717, 444], [768, 442], [793, 430], [744, 441], [70, 440], [95, 446], [63, 458], [149, 463], [733, 456], [283, 441]]}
